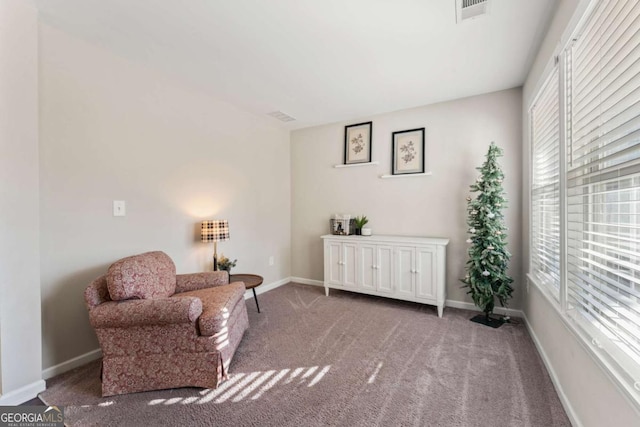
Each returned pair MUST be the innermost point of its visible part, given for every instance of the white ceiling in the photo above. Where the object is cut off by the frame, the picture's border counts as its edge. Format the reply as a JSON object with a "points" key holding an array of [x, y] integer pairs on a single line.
{"points": [[319, 61]]}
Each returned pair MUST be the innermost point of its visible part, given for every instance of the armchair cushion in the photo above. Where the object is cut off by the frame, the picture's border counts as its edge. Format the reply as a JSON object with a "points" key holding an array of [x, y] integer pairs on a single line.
{"points": [[217, 305], [195, 281], [144, 276], [159, 311]]}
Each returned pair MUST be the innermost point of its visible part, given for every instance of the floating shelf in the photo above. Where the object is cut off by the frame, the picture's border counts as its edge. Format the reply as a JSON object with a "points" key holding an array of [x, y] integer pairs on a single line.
{"points": [[353, 165], [407, 175]]}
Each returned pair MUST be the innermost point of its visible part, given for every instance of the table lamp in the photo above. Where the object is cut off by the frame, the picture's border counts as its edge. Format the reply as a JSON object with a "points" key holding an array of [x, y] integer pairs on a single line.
{"points": [[215, 230]]}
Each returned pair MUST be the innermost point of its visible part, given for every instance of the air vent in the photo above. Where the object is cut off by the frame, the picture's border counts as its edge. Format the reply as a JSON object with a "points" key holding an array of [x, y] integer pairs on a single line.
{"points": [[469, 9], [281, 116]]}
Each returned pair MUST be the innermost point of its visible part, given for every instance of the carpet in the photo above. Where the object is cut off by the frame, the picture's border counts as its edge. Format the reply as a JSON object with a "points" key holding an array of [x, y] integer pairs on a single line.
{"points": [[343, 360]]}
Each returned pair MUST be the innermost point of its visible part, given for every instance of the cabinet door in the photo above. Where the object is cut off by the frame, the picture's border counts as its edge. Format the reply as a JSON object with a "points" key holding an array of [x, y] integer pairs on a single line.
{"points": [[367, 267], [426, 273], [384, 269], [405, 276], [349, 264], [333, 263]]}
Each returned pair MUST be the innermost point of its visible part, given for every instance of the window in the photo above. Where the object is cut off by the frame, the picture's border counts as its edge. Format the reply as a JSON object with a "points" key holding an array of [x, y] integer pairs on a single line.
{"points": [[596, 279], [603, 178], [545, 185]]}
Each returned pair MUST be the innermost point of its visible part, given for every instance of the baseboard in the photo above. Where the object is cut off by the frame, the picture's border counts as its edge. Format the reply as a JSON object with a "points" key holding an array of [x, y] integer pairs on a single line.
{"points": [[552, 373], [71, 363], [470, 306], [23, 394], [266, 288], [307, 281], [448, 303]]}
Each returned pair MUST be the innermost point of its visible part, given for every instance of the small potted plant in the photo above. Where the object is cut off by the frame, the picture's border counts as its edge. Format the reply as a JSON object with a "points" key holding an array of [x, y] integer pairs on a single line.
{"points": [[226, 264], [361, 221]]}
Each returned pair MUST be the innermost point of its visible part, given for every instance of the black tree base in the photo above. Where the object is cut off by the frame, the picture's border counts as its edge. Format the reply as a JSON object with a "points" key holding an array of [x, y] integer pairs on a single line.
{"points": [[483, 320]]}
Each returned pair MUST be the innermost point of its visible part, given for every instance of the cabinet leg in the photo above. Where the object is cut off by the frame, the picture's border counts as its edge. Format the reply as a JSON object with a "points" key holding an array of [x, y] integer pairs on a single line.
{"points": [[440, 309], [326, 291]]}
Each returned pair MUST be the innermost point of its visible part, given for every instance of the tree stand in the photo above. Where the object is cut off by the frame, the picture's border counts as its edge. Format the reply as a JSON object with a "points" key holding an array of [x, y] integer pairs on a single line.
{"points": [[485, 319]]}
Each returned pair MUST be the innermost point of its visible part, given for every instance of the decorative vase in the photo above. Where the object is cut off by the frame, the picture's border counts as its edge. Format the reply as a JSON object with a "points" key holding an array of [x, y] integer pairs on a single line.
{"points": [[358, 231]]}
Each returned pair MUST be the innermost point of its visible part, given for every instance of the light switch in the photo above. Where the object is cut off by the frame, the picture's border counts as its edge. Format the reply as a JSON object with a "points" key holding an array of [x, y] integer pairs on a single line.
{"points": [[119, 208]]}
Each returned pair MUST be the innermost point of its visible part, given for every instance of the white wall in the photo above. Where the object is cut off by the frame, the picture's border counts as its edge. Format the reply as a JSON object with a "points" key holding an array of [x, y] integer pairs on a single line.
{"points": [[458, 134], [593, 398], [115, 130], [20, 344]]}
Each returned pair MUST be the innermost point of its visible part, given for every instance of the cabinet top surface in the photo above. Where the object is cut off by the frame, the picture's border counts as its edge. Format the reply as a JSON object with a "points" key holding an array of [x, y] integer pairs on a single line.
{"points": [[376, 238]]}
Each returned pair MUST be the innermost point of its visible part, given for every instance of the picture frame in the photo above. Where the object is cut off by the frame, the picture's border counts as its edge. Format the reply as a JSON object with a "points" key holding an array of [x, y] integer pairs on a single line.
{"points": [[357, 143], [407, 152]]}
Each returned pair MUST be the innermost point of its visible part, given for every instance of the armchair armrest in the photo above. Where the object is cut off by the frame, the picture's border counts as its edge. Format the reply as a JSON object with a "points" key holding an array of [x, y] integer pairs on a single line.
{"points": [[195, 281], [142, 312], [97, 293]]}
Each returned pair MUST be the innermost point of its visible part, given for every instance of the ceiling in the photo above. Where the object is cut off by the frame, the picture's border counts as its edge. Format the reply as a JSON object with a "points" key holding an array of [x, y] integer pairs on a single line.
{"points": [[319, 61]]}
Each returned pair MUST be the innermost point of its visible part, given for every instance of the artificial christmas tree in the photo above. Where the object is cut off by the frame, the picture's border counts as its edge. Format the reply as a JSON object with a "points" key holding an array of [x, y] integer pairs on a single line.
{"points": [[486, 270]]}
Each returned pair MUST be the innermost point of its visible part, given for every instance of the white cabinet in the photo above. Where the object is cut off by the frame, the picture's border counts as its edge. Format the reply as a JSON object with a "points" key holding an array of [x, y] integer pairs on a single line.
{"points": [[401, 267], [417, 271], [340, 263], [425, 273], [405, 260], [375, 268]]}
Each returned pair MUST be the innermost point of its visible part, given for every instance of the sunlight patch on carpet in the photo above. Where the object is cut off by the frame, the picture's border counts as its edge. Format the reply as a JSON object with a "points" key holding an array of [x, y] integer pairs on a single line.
{"points": [[319, 376], [270, 384], [373, 376], [252, 385]]}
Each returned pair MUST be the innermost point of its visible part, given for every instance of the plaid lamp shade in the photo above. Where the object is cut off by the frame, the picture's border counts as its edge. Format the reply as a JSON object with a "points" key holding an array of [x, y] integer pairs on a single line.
{"points": [[215, 230]]}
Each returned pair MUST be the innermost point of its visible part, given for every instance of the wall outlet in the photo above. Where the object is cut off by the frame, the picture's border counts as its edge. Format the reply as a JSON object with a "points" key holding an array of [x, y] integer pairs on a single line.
{"points": [[272, 261], [119, 208]]}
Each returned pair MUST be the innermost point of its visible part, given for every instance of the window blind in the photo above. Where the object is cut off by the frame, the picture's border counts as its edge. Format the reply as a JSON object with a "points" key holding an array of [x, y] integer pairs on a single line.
{"points": [[545, 189], [603, 181]]}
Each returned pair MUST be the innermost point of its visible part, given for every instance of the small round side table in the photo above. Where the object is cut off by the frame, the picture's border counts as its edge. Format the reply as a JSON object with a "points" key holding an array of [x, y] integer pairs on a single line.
{"points": [[251, 281]]}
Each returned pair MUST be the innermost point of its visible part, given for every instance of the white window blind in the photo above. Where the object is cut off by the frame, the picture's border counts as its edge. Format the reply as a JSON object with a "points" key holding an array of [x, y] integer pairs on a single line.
{"points": [[603, 182], [545, 188]]}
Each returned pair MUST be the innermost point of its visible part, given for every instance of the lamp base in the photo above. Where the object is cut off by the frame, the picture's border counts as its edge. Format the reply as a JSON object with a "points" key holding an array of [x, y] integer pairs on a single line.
{"points": [[215, 256]]}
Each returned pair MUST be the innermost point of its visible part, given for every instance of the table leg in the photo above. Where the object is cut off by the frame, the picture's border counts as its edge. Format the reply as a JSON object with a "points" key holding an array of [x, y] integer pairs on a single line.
{"points": [[255, 297]]}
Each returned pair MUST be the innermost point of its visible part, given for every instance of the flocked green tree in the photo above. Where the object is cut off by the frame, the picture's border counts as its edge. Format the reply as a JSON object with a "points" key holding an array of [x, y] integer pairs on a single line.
{"points": [[486, 270]]}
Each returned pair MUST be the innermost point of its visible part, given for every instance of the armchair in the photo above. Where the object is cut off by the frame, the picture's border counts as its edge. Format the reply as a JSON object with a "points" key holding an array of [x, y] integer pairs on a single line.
{"points": [[160, 330]]}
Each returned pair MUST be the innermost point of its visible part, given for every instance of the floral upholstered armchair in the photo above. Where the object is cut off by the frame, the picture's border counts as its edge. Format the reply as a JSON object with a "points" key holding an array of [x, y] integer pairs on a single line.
{"points": [[160, 330]]}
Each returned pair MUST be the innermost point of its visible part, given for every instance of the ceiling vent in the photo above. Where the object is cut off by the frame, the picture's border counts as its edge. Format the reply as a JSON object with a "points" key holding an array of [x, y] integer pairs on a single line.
{"points": [[281, 116], [469, 9]]}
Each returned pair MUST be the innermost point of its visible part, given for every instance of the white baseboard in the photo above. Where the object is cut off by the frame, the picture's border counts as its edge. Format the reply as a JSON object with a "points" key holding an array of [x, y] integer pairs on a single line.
{"points": [[448, 303], [266, 288], [554, 378], [23, 394], [307, 281], [71, 363], [470, 306]]}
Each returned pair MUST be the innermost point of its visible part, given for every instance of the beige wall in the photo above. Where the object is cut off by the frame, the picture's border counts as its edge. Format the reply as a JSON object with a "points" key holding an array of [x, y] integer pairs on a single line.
{"points": [[20, 361], [115, 130], [458, 134], [594, 399]]}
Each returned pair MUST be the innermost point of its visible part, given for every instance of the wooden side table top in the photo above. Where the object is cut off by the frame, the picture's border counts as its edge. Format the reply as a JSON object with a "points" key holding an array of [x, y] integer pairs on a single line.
{"points": [[250, 280]]}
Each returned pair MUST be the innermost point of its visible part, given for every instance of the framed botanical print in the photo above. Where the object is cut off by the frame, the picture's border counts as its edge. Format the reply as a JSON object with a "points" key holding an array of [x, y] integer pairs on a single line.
{"points": [[357, 143], [407, 152]]}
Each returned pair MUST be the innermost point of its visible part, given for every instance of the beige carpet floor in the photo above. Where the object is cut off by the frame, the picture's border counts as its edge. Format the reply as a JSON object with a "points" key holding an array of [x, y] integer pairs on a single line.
{"points": [[345, 360]]}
